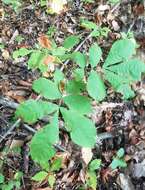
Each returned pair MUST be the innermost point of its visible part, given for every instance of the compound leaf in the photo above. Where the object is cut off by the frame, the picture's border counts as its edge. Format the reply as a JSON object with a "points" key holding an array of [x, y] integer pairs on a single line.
{"points": [[21, 52]]}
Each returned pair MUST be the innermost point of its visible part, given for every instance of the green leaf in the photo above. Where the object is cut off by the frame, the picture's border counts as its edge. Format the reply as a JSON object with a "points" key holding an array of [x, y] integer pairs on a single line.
{"points": [[88, 24], [95, 165], [126, 91], [1, 178], [40, 176], [71, 41], [41, 149], [78, 103], [21, 52], [79, 58], [92, 180], [96, 87], [121, 50], [120, 153], [79, 74], [46, 88], [58, 76], [75, 87], [82, 130], [31, 110], [36, 60], [118, 163], [59, 51], [52, 130], [51, 180], [56, 164], [95, 54]]}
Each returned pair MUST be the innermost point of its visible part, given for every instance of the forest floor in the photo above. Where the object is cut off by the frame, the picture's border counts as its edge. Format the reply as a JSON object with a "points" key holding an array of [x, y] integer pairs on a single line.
{"points": [[120, 123]]}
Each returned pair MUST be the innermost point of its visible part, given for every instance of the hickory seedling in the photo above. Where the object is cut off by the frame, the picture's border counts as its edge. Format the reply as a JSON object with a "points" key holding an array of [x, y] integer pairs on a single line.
{"points": [[70, 99]]}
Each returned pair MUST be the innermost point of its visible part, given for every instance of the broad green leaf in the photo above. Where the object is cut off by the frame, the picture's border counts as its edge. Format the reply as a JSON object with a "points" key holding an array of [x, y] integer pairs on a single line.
{"points": [[59, 51], [78, 103], [41, 151], [30, 111], [82, 130], [115, 79], [120, 153], [121, 50], [40, 176], [79, 58], [71, 41], [52, 130], [95, 165], [75, 87], [1, 178], [96, 87], [95, 54], [46, 88], [36, 60], [126, 91], [56, 164], [21, 52], [51, 180], [79, 74]]}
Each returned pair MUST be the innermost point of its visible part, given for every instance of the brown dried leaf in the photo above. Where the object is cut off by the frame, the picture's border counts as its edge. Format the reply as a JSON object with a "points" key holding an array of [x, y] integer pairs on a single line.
{"points": [[44, 41]]}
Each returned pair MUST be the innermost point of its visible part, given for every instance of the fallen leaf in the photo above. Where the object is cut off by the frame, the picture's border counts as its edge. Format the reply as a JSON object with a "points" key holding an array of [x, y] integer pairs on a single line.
{"points": [[16, 144], [57, 6], [87, 155], [44, 41], [49, 59], [5, 54]]}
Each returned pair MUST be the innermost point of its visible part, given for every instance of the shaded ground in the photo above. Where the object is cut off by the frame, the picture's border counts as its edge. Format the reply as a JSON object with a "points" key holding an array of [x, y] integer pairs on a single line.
{"points": [[125, 123]]}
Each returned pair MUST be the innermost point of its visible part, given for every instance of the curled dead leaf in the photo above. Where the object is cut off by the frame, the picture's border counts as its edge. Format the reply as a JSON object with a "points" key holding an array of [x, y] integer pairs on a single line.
{"points": [[44, 41]]}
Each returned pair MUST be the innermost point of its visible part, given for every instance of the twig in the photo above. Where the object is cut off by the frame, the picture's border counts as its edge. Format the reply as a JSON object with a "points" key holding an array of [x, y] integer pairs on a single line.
{"points": [[10, 130], [8, 103], [77, 48]]}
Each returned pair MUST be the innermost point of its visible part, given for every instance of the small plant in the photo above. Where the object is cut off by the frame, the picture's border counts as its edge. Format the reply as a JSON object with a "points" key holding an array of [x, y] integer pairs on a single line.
{"points": [[96, 31], [70, 100], [11, 184], [15, 4], [48, 172], [119, 161], [92, 175]]}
